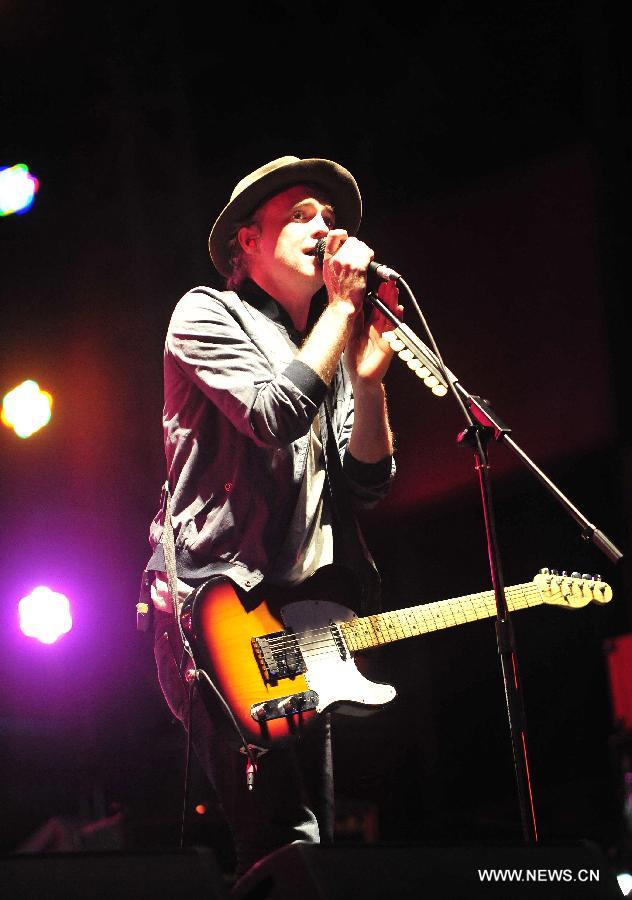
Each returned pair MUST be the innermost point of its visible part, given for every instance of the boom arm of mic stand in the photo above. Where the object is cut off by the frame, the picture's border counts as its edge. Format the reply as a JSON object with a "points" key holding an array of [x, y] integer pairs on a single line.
{"points": [[485, 415]]}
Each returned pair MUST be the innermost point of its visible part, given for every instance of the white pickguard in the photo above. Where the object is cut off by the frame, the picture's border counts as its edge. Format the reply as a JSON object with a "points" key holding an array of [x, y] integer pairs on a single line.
{"points": [[336, 681]]}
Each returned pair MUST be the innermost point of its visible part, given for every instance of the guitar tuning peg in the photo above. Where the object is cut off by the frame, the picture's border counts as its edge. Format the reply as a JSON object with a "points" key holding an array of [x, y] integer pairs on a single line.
{"points": [[554, 572], [563, 573], [598, 578], [577, 575], [544, 571], [587, 576]]}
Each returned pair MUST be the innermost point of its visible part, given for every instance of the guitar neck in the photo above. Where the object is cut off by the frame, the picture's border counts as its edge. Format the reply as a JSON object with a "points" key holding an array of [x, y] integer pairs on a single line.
{"points": [[384, 628]]}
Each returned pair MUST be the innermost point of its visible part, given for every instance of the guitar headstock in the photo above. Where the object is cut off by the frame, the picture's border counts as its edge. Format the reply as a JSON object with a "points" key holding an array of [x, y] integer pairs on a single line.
{"points": [[572, 591]]}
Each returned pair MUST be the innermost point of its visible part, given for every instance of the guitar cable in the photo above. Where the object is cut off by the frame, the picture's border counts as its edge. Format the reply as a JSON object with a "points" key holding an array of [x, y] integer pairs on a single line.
{"points": [[246, 748], [195, 675], [187, 764]]}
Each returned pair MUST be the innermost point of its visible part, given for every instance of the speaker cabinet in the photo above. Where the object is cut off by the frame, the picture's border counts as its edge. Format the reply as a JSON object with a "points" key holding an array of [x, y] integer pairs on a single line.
{"points": [[112, 876], [382, 872]]}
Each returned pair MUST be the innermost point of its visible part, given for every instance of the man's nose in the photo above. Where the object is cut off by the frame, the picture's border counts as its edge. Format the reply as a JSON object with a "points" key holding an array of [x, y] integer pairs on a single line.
{"points": [[320, 228]]}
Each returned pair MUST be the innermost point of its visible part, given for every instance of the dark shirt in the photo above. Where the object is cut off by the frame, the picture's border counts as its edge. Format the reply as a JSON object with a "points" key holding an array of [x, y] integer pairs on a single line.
{"points": [[237, 414]]}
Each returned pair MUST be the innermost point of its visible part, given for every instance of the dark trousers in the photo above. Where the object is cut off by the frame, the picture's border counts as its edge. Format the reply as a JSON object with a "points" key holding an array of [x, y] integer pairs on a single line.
{"points": [[292, 799]]}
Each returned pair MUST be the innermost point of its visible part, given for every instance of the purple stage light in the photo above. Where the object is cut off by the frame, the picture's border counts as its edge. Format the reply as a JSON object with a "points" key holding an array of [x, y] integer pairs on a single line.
{"points": [[45, 615], [17, 189]]}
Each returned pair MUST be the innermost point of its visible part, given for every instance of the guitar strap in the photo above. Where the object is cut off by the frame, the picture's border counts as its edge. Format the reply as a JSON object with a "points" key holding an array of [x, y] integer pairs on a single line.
{"points": [[144, 606], [169, 548], [348, 545]]}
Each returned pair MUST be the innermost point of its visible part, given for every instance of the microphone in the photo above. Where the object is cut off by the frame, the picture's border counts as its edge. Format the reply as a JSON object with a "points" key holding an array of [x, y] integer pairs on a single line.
{"points": [[375, 268]]}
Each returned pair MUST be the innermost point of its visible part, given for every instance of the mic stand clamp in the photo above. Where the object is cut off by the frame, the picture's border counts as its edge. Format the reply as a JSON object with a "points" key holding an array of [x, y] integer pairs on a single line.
{"points": [[486, 417]]}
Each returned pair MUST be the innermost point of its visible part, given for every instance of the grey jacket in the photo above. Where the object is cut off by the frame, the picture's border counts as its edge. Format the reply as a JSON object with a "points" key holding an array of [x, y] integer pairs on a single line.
{"points": [[238, 409]]}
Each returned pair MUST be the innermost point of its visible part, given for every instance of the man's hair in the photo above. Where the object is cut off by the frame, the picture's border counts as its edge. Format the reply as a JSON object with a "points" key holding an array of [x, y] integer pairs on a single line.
{"points": [[238, 259]]}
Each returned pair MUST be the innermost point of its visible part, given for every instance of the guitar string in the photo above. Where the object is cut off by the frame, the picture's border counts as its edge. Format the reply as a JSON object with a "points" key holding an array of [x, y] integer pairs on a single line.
{"points": [[488, 608], [324, 647], [428, 622], [415, 613]]}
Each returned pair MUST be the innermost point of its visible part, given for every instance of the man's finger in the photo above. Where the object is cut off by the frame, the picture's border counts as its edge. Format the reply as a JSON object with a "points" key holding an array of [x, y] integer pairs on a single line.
{"points": [[388, 293], [334, 240]]}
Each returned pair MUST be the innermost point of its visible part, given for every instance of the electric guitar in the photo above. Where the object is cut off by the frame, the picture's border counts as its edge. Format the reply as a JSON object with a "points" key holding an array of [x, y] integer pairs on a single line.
{"points": [[279, 666]]}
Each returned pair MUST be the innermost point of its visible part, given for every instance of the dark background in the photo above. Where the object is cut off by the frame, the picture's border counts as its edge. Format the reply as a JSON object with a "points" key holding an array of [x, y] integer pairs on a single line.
{"points": [[491, 145]]}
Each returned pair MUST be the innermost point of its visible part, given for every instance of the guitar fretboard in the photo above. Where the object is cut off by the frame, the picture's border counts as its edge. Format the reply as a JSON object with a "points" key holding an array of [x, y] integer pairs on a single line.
{"points": [[384, 628]]}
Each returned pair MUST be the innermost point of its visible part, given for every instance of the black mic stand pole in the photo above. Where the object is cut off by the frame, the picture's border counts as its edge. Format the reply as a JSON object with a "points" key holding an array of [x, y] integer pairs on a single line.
{"points": [[478, 437], [477, 434]]}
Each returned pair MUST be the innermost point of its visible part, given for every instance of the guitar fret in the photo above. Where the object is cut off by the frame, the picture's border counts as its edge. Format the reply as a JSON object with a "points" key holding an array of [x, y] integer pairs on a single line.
{"points": [[394, 625], [375, 626], [349, 636], [363, 633], [469, 610], [436, 617], [411, 621], [359, 634]]}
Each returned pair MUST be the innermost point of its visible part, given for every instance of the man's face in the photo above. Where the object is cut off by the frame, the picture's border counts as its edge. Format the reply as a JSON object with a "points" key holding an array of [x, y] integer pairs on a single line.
{"points": [[290, 224]]}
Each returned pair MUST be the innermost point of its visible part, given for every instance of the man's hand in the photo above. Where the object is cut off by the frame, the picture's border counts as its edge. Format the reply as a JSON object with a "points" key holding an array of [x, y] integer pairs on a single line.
{"points": [[342, 326], [367, 354], [344, 271]]}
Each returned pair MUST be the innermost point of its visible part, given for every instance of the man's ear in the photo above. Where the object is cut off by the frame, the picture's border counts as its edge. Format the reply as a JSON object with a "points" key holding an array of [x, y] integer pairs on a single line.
{"points": [[247, 237]]}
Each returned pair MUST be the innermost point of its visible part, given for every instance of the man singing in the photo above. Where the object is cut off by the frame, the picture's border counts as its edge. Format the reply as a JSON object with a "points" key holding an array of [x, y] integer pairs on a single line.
{"points": [[276, 429]]}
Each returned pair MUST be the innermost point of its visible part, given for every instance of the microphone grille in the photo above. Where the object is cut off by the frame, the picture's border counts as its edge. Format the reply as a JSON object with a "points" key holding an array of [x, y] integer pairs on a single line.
{"points": [[319, 250]]}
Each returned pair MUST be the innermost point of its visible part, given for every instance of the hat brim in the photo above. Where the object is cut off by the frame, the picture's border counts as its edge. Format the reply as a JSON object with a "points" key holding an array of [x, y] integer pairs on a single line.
{"points": [[338, 185]]}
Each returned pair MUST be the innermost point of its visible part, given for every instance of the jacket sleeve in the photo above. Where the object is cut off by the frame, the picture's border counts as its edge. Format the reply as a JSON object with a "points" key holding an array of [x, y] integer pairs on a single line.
{"points": [[210, 346], [368, 482]]}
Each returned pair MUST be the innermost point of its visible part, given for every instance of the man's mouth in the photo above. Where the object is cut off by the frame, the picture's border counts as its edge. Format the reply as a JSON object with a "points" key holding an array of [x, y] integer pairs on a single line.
{"points": [[311, 251]]}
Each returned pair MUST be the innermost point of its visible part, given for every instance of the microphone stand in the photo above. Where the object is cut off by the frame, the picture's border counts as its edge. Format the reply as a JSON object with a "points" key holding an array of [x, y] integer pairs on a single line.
{"points": [[482, 423]]}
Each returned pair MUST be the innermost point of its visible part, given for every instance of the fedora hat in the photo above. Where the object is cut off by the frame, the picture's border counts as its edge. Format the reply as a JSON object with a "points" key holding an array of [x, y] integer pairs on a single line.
{"points": [[338, 184]]}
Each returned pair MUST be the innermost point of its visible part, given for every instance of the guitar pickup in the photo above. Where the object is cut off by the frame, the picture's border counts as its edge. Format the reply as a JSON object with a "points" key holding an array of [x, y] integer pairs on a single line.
{"points": [[283, 707], [278, 656]]}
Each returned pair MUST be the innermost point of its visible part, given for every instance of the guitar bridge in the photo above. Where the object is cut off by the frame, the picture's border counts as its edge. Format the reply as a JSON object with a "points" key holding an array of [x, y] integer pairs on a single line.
{"points": [[278, 656], [283, 707]]}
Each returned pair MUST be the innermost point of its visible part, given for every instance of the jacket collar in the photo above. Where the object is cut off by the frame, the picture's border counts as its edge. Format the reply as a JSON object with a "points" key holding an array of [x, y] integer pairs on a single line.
{"points": [[254, 295]]}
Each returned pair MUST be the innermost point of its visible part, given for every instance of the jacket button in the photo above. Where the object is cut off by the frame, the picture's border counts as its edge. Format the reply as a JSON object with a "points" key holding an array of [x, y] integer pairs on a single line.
{"points": [[228, 487]]}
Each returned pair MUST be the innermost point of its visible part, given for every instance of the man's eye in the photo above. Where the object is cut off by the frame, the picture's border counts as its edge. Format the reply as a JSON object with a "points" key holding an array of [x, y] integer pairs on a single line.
{"points": [[298, 215]]}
